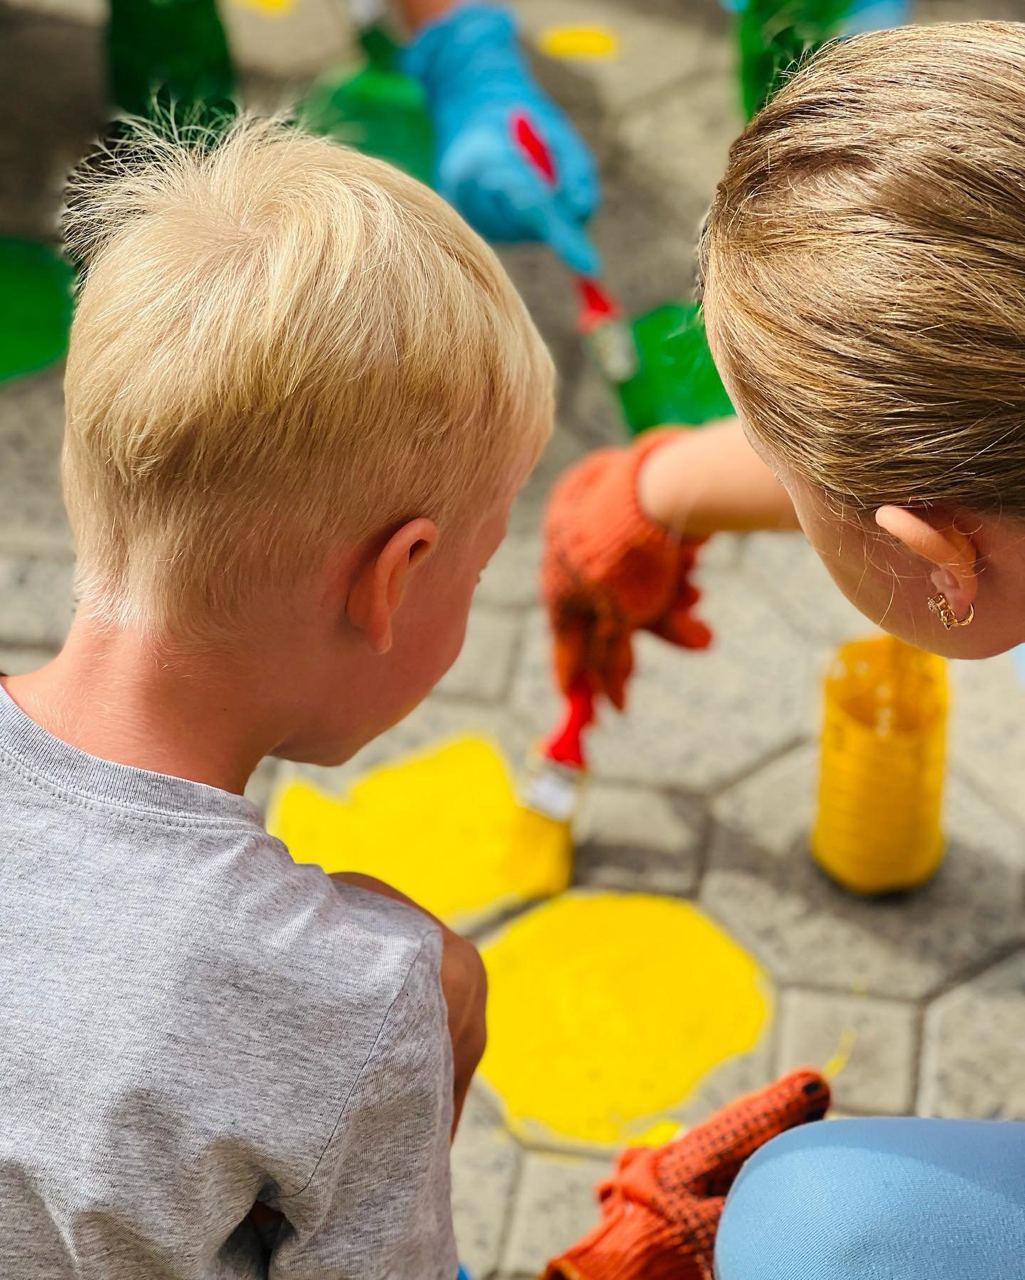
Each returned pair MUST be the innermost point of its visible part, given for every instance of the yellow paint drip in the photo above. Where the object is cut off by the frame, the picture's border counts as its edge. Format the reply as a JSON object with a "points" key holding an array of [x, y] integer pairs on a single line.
{"points": [[444, 827], [608, 1010], [578, 42]]}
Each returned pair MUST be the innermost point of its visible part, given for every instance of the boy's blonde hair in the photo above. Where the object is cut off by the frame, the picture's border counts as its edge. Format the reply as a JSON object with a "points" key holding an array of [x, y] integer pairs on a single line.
{"points": [[865, 267], [279, 344]]}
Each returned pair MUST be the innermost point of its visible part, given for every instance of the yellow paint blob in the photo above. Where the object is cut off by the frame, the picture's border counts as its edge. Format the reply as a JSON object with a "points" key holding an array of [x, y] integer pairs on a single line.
{"points": [[608, 1010], [444, 827], [578, 42], [276, 8]]}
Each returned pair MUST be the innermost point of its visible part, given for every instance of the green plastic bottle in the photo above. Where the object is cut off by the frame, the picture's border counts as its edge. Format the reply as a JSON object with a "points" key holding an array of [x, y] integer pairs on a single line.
{"points": [[375, 108], [170, 56], [676, 380], [775, 36]]}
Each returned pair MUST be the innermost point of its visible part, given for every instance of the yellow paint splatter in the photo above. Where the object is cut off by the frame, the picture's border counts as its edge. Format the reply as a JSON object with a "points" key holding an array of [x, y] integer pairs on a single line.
{"points": [[274, 7], [841, 1055], [608, 1010], [578, 42], [444, 827]]}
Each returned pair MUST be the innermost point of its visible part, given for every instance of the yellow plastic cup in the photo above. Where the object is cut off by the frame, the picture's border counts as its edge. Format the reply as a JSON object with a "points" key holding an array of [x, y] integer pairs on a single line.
{"points": [[878, 827]]}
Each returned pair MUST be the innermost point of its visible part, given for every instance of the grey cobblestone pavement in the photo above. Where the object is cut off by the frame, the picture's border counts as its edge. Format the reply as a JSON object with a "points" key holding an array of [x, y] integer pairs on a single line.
{"points": [[705, 789]]}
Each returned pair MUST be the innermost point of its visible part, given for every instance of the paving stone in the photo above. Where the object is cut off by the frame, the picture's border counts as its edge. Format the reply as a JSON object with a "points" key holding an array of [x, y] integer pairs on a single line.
{"points": [[656, 49], [732, 1079], [35, 591], [485, 1167], [786, 569], [17, 661], [633, 838], [554, 1207], [987, 730], [31, 428], [513, 577], [875, 1040], [695, 720], [764, 887], [484, 668], [972, 1058]]}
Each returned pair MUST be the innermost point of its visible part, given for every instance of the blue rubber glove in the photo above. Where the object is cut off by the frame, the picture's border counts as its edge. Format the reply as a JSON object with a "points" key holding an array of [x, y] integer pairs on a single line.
{"points": [[476, 79]]}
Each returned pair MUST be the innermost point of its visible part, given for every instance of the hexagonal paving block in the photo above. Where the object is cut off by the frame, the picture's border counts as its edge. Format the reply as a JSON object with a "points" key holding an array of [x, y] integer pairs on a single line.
{"points": [[763, 885], [444, 826], [556, 1204], [484, 668], [635, 838], [695, 720], [608, 1011], [987, 730], [869, 1045], [785, 567], [36, 594], [32, 426], [485, 1167], [974, 1035]]}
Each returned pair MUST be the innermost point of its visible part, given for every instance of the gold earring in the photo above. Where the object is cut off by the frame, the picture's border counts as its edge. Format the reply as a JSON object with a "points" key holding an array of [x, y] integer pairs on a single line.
{"points": [[940, 606]]}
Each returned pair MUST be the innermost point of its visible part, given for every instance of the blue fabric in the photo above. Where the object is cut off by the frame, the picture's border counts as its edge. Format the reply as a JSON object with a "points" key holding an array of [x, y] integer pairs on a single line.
{"points": [[894, 1199], [476, 79]]}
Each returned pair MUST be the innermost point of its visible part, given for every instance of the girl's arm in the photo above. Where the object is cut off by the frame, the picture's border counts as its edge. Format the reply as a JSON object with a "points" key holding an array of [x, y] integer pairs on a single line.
{"points": [[712, 481]]}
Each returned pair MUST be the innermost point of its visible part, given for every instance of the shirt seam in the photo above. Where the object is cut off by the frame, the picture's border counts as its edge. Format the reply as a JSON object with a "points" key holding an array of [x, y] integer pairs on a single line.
{"points": [[429, 933], [125, 808]]}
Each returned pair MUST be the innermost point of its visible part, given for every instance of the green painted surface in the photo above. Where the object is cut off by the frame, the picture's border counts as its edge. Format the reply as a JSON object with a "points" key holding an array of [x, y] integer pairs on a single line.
{"points": [[35, 285]]}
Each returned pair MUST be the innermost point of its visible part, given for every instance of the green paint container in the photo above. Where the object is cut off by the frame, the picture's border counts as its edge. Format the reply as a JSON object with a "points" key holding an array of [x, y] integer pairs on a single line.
{"points": [[170, 56], [375, 108], [35, 285], [676, 380]]}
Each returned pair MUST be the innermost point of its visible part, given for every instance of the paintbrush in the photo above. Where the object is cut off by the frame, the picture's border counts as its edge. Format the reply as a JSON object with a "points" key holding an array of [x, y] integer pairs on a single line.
{"points": [[554, 783], [600, 321]]}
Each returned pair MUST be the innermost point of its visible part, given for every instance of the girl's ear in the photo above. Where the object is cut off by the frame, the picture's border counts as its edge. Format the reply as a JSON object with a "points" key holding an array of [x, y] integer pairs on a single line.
{"points": [[933, 536], [378, 587]]}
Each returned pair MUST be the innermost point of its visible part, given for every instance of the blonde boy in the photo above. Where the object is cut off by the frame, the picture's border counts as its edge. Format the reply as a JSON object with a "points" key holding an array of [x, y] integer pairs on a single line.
{"points": [[301, 396]]}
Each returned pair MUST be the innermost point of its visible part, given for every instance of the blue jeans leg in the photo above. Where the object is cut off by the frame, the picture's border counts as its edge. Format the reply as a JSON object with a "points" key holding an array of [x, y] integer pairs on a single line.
{"points": [[893, 1199]]}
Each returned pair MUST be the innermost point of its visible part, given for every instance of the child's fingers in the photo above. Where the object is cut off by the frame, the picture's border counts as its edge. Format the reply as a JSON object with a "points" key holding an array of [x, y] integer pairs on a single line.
{"points": [[706, 1160], [615, 668], [572, 644]]}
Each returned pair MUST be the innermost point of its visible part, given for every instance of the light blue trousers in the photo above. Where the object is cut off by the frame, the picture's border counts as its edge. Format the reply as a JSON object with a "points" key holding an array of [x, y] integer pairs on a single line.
{"points": [[894, 1199]]}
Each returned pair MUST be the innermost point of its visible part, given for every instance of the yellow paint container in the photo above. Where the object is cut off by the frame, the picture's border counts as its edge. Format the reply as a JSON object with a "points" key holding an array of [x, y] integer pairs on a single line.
{"points": [[878, 827]]}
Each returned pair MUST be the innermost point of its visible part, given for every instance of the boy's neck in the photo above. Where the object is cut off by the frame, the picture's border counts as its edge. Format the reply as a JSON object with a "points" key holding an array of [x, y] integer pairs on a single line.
{"points": [[110, 694]]}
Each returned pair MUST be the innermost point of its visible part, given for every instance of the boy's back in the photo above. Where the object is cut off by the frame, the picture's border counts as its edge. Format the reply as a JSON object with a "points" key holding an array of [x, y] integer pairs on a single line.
{"points": [[190, 1023]]}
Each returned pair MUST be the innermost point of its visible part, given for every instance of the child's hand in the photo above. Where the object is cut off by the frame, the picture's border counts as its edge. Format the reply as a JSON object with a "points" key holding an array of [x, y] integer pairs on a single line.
{"points": [[609, 570], [661, 1207], [464, 985]]}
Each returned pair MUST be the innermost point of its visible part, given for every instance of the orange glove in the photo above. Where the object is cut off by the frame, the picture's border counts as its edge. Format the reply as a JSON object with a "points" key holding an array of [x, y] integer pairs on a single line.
{"points": [[661, 1207], [609, 570]]}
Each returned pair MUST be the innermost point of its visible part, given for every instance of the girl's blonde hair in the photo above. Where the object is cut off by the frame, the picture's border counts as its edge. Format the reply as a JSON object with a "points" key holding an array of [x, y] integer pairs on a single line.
{"points": [[865, 269], [279, 344]]}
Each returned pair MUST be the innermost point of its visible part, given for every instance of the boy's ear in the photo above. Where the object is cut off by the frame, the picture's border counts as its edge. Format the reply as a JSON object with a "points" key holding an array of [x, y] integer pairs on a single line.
{"points": [[933, 536], [379, 585]]}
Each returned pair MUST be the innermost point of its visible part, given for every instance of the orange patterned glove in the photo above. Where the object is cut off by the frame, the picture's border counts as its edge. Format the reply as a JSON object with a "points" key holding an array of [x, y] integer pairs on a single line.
{"points": [[609, 570], [661, 1207]]}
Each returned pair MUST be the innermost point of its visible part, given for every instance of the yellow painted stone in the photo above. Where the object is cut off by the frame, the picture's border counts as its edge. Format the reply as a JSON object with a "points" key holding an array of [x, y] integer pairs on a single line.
{"points": [[274, 7], [578, 42], [608, 1010], [444, 827]]}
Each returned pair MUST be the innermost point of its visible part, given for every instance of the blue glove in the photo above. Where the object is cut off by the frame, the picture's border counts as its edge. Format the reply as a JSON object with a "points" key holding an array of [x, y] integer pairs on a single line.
{"points": [[476, 80]]}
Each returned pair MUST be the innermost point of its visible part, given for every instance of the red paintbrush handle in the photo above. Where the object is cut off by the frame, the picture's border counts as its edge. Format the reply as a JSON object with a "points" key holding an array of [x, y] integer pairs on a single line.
{"points": [[533, 147], [566, 745]]}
